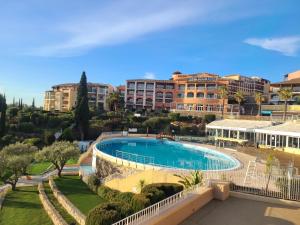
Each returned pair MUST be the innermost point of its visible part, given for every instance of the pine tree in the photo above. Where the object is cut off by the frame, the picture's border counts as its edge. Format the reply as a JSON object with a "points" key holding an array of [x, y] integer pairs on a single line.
{"points": [[82, 107], [3, 108]]}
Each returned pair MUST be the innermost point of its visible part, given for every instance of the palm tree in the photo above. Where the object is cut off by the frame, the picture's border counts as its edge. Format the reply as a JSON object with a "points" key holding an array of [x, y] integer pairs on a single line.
{"points": [[223, 92], [239, 97], [113, 100], [195, 177], [285, 94], [259, 99]]}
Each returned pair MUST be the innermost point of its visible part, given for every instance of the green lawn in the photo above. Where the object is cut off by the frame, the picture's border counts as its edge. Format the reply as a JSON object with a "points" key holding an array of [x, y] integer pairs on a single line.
{"points": [[38, 168], [23, 207], [67, 217], [72, 161], [78, 193]]}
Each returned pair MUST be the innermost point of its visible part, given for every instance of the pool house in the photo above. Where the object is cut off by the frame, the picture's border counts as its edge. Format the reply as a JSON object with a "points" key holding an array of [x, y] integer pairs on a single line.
{"points": [[285, 137], [232, 131]]}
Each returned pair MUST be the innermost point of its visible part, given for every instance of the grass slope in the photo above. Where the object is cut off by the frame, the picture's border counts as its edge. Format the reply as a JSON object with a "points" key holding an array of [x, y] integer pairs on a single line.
{"points": [[67, 217], [23, 207], [38, 168], [78, 193]]}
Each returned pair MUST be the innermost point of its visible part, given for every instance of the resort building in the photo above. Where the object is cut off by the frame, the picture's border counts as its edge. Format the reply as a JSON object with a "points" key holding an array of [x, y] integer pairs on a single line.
{"points": [[149, 94], [235, 131], [291, 80], [267, 134], [285, 137], [200, 92], [62, 97], [192, 92]]}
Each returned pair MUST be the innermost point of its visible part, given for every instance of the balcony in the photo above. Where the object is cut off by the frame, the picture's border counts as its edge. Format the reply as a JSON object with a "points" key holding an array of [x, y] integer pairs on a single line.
{"points": [[169, 87], [191, 87], [211, 87], [169, 95], [160, 86], [149, 86]]}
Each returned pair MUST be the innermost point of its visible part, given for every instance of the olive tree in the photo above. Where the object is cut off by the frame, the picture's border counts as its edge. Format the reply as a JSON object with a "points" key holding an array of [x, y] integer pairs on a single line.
{"points": [[58, 154], [14, 161]]}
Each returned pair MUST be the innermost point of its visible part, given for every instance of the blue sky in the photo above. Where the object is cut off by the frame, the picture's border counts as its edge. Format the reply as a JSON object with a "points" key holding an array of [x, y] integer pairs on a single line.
{"points": [[43, 43]]}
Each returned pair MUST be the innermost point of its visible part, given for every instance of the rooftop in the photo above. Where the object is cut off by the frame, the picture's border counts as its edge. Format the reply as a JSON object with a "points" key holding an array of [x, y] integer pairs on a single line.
{"points": [[287, 82], [242, 125], [237, 211], [76, 84], [289, 128]]}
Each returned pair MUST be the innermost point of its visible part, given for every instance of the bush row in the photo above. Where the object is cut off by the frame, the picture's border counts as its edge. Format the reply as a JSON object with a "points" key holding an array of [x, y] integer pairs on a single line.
{"points": [[122, 204]]}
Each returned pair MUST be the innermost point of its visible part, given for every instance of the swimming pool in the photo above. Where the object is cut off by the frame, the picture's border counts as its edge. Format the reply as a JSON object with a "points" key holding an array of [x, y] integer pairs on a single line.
{"points": [[167, 154]]}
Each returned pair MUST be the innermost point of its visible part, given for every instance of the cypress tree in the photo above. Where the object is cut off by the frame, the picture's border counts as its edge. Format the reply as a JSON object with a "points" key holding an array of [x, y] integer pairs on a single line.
{"points": [[3, 108], [82, 108], [33, 104]]}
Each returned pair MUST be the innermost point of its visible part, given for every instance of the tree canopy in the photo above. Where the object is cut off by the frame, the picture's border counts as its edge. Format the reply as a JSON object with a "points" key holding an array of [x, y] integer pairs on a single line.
{"points": [[58, 154], [14, 161]]}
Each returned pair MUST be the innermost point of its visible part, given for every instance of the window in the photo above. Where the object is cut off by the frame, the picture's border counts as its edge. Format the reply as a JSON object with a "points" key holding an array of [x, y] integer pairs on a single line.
{"points": [[191, 87], [181, 87], [180, 106], [200, 95], [180, 95], [210, 95], [211, 86], [199, 107], [140, 86], [149, 86], [200, 86], [190, 95], [169, 95]]}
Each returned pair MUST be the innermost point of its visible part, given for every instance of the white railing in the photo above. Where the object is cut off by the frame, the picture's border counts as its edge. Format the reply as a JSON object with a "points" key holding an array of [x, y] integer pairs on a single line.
{"points": [[156, 209], [259, 183], [135, 157]]}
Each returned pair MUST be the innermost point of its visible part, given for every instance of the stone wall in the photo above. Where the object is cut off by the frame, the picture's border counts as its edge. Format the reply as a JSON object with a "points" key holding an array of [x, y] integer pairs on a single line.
{"points": [[49, 208], [68, 206], [3, 192]]}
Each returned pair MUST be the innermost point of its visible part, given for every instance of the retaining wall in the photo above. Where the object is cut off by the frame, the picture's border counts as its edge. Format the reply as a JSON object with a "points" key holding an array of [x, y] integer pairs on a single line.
{"points": [[49, 208], [68, 206], [3, 192]]}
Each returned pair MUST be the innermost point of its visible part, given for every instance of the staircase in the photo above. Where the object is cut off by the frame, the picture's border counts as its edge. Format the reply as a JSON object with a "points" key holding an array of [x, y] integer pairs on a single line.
{"points": [[251, 169]]}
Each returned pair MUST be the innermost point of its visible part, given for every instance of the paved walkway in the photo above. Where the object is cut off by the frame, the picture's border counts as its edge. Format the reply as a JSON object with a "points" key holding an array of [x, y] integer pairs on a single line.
{"points": [[236, 211]]}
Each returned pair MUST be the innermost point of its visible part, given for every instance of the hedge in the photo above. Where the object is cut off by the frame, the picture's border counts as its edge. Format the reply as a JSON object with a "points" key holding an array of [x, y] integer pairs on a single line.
{"points": [[108, 213], [158, 191], [139, 202]]}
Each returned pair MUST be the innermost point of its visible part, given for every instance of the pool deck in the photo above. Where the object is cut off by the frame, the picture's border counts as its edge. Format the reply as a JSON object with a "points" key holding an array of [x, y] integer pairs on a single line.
{"points": [[237, 211]]}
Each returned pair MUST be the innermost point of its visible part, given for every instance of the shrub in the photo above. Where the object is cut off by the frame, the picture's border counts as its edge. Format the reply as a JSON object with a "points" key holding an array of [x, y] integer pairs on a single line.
{"points": [[209, 118], [158, 191], [107, 193], [139, 202], [26, 127], [107, 213], [154, 194], [93, 182], [34, 142], [67, 135], [49, 137], [124, 197]]}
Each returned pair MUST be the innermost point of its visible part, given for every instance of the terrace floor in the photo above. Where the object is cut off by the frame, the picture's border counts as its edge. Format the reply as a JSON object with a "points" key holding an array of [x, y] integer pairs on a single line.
{"points": [[237, 211]]}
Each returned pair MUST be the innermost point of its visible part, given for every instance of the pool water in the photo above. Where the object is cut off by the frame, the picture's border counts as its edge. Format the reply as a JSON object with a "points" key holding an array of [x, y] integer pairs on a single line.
{"points": [[167, 154]]}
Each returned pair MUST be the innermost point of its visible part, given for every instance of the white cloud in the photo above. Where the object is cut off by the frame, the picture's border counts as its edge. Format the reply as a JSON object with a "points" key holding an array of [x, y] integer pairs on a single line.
{"points": [[150, 76], [68, 28], [116, 22], [288, 46]]}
